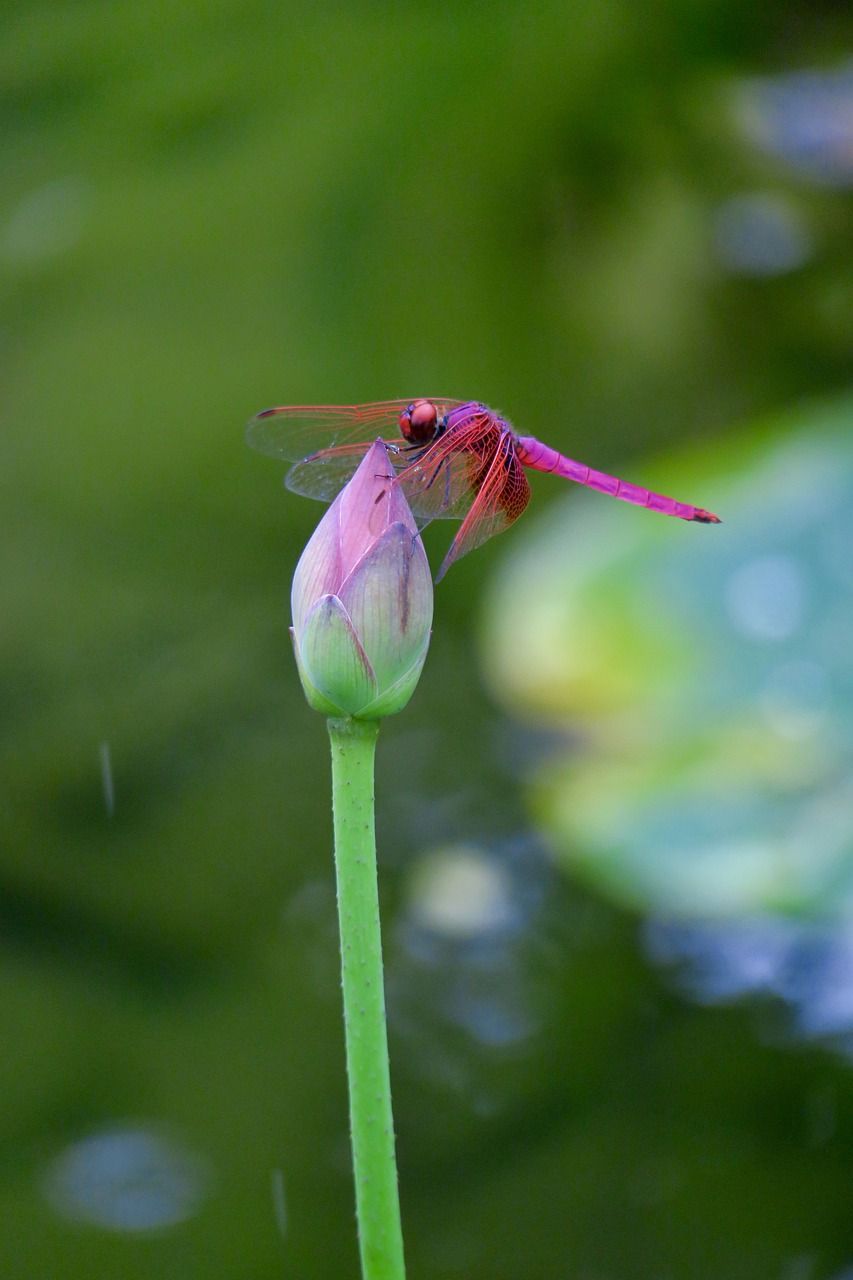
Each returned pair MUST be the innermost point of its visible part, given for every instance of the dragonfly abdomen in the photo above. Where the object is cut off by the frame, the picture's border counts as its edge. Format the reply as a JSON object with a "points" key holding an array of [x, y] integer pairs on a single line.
{"points": [[533, 453]]}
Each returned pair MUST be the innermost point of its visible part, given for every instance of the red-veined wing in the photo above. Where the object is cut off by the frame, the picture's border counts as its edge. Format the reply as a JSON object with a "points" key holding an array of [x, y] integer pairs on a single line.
{"points": [[294, 432], [502, 493], [443, 481]]}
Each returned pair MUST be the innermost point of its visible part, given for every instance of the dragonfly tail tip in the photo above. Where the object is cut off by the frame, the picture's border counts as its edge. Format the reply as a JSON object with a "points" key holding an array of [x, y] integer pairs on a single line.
{"points": [[706, 517]]}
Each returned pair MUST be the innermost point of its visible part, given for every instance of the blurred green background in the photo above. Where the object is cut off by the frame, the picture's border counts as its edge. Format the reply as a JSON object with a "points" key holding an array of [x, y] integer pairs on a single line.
{"points": [[616, 824]]}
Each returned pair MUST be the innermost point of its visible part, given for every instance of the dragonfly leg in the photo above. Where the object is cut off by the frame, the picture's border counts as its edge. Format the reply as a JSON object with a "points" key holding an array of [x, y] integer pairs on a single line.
{"points": [[398, 449], [434, 477], [431, 481], [406, 448], [446, 487], [402, 448]]}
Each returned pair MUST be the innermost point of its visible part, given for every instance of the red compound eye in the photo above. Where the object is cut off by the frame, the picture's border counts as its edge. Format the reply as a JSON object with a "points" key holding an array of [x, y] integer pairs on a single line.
{"points": [[419, 421]]}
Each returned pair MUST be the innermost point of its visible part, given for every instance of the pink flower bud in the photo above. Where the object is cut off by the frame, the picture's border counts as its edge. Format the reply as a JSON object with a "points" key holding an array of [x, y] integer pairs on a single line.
{"points": [[362, 599]]}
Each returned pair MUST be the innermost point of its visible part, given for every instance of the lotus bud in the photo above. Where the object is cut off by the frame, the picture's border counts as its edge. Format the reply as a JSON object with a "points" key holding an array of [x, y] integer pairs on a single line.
{"points": [[362, 599]]}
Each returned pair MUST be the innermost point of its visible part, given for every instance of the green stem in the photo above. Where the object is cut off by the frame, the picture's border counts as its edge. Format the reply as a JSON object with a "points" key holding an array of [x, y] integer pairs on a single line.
{"points": [[371, 1122]]}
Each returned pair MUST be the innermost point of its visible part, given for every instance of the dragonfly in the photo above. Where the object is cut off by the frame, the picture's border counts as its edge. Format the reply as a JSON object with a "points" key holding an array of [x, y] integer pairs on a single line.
{"points": [[453, 459]]}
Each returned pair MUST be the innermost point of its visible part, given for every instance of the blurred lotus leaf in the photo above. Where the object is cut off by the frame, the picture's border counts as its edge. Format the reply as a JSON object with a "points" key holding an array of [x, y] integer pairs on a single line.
{"points": [[704, 677]]}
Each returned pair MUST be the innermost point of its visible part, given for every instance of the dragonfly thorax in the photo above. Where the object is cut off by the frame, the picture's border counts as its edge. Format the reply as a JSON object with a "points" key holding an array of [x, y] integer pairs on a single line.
{"points": [[419, 422]]}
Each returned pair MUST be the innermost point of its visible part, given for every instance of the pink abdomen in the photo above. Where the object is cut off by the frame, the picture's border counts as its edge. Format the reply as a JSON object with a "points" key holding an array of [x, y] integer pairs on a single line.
{"points": [[541, 457]]}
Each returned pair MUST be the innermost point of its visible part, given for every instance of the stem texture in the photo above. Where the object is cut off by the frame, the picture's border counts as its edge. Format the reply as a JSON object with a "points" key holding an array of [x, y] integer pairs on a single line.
{"points": [[371, 1122]]}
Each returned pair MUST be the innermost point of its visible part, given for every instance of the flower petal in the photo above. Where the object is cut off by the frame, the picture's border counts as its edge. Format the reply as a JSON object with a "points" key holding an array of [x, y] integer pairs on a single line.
{"points": [[393, 699], [333, 659], [397, 509], [313, 696], [389, 599], [318, 572], [363, 512]]}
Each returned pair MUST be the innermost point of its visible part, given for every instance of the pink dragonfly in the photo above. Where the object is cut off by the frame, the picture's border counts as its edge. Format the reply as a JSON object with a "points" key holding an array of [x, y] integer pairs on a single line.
{"points": [[455, 459]]}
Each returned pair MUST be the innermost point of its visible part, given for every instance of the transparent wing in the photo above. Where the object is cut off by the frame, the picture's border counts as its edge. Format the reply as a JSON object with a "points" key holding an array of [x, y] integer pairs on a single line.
{"points": [[471, 472], [502, 494], [437, 485], [324, 474], [296, 431], [442, 482]]}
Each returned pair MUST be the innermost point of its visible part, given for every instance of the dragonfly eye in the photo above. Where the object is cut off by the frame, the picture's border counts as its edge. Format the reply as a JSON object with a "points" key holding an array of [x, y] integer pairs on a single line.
{"points": [[418, 423]]}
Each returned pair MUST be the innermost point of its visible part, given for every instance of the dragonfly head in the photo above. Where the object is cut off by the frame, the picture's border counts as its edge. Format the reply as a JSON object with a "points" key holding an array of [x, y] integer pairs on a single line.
{"points": [[419, 422]]}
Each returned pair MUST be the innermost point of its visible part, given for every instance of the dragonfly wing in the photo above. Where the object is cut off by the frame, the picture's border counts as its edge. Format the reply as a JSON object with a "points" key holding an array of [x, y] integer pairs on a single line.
{"points": [[438, 487], [324, 474], [296, 431], [470, 473], [443, 481], [501, 497]]}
